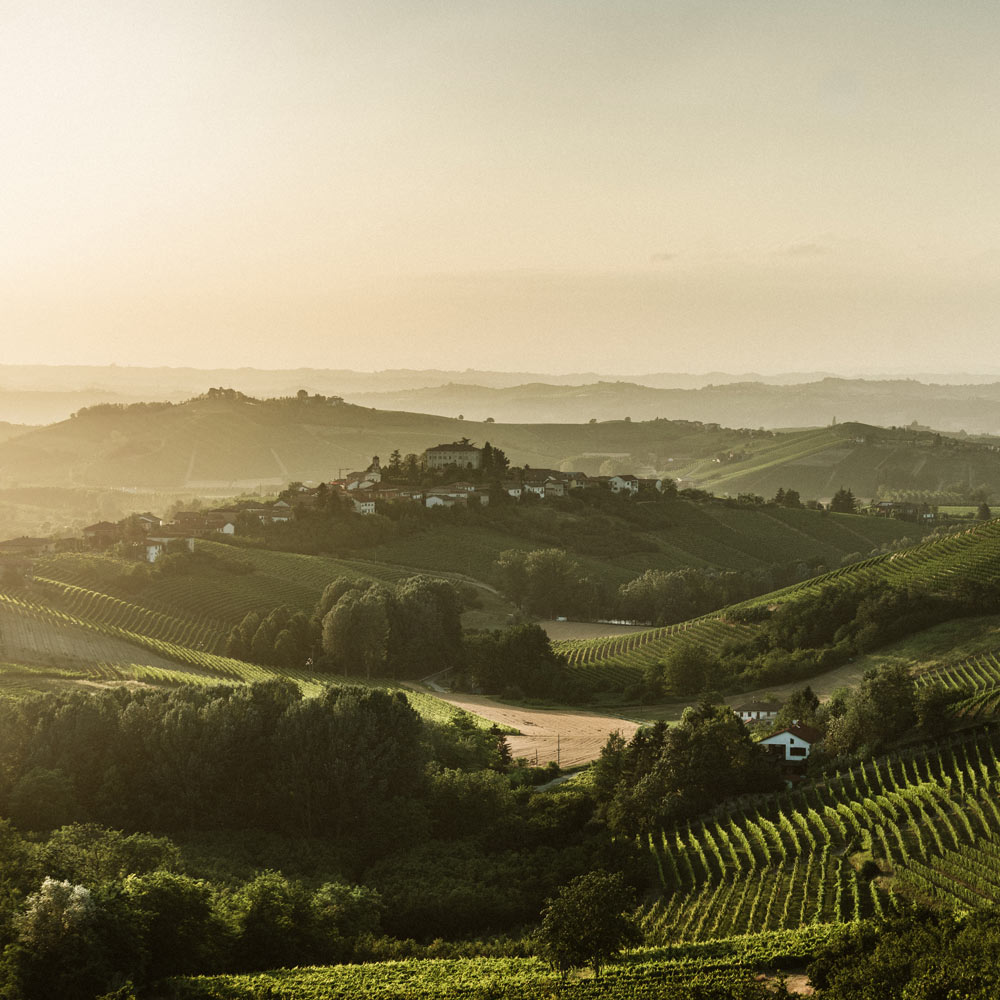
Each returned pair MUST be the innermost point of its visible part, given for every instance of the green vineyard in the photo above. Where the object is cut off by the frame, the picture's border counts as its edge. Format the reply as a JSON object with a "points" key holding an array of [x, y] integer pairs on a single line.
{"points": [[797, 862], [661, 974], [977, 676], [974, 554]]}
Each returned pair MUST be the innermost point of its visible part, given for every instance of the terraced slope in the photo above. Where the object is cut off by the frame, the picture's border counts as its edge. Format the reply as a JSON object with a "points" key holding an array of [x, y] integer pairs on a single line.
{"points": [[973, 554]]}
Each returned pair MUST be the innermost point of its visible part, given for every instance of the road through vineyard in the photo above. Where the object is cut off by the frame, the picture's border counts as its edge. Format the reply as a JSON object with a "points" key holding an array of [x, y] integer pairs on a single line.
{"points": [[577, 736]]}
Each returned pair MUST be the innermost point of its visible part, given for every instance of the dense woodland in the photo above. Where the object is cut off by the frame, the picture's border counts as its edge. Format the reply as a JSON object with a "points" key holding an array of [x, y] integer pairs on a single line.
{"points": [[393, 826]]}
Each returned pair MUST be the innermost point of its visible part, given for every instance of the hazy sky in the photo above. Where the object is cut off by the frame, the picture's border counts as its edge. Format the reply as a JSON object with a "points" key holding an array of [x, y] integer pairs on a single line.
{"points": [[552, 185]]}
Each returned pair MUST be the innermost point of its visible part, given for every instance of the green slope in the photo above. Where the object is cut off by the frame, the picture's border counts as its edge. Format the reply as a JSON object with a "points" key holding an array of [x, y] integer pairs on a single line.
{"points": [[631, 538], [864, 458], [973, 554]]}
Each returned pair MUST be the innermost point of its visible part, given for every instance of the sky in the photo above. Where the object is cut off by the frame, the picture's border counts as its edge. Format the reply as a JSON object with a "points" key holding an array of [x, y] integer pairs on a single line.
{"points": [[514, 185]]}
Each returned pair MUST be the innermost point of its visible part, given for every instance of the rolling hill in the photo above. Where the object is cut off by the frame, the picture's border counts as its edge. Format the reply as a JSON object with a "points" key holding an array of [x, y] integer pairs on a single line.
{"points": [[872, 461], [241, 442], [225, 442]]}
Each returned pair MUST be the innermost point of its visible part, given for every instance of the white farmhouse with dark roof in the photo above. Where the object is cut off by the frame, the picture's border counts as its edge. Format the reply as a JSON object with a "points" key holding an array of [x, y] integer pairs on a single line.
{"points": [[796, 741]]}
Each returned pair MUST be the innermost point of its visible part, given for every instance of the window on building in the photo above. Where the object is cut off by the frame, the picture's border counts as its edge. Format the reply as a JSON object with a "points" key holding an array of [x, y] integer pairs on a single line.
{"points": [[796, 751]]}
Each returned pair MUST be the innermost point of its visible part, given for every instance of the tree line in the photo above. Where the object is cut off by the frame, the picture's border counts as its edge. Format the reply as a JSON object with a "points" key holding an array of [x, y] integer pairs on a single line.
{"points": [[815, 632], [359, 626]]}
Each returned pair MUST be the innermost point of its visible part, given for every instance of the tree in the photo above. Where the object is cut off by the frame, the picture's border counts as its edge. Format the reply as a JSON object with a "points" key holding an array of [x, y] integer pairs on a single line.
{"points": [[984, 513], [801, 707], [881, 709], [667, 775], [356, 631], [58, 950], [844, 502], [689, 669], [177, 920], [271, 917], [553, 581], [512, 575], [588, 922]]}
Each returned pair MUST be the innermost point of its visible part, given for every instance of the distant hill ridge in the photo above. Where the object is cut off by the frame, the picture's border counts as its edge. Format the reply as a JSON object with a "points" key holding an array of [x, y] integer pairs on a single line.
{"points": [[951, 402], [226, 440]]}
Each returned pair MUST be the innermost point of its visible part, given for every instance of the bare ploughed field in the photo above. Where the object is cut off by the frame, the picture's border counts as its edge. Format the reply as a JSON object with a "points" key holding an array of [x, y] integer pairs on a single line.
{"points": [[578, 736]]}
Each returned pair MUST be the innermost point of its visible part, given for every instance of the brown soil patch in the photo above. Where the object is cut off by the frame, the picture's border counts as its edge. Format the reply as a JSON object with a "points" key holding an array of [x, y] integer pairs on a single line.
{"points": [[573, 737], [558, 631]]}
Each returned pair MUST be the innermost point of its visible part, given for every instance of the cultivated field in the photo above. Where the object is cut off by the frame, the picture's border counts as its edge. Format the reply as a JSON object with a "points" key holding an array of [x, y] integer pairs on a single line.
{"points": [[24, 639], [928, 819]]}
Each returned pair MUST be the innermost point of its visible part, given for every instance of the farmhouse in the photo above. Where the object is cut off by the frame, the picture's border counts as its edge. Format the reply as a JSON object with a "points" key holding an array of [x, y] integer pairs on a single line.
{"points": [[796, 741], [753, 711], [158, 545]]}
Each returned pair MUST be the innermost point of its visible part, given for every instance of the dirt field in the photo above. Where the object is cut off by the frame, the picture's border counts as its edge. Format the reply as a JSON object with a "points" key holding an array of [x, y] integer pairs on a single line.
{"points": [[576, 736], [557, 631]]}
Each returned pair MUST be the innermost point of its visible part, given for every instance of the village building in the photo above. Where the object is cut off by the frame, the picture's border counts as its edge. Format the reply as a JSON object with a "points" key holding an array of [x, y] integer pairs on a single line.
{"points": [[460, 454], [624, 484], [158, 545], [102, 534]]}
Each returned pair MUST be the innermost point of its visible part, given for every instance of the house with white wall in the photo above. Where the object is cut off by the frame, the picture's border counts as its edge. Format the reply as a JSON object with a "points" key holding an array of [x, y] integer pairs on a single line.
{"points": [[796, 741], [754, 711]]}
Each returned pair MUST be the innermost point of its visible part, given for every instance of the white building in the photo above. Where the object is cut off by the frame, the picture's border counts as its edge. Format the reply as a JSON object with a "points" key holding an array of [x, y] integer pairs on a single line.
{"points": [[753, 711], [796, 741]]}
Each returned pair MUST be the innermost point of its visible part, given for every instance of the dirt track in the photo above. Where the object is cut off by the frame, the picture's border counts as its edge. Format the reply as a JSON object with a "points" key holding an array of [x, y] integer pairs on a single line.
{"points": [[576, 736]]}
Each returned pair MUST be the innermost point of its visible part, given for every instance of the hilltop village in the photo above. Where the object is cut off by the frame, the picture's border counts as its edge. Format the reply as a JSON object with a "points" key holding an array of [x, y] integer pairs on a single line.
{"points": [[458, 474]]}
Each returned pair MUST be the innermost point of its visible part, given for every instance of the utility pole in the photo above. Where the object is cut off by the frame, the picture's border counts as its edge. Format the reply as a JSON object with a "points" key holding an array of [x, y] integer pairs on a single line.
{"points": [[558, 752]]}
